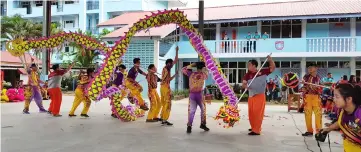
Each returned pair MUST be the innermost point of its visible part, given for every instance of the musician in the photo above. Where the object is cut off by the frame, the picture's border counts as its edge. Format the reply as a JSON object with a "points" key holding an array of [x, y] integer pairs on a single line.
{"points": [[312, 99]]}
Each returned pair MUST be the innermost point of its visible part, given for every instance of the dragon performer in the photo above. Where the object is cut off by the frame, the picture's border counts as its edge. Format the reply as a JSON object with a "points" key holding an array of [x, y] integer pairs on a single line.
{"points": [[96, 89]]}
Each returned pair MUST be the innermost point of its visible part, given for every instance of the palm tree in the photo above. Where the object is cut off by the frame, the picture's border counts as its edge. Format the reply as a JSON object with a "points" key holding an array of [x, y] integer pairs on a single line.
{"points": [[14, 27], [84, 57]]}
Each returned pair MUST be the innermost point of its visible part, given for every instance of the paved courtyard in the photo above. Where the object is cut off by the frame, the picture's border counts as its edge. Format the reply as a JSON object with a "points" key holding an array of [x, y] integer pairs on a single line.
{"points": [[39, 132]]}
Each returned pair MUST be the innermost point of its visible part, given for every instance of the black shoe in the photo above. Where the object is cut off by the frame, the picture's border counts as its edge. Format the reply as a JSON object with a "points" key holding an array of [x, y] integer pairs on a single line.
{"points": [[84, 115], [249, 129], [114, 116], [204, 127], [189, 129], [72, 115], [49, 112], [144, 107], [57, 115], [167, 123], [307, 134], [151, 120], [157, 119], [253, 134]]}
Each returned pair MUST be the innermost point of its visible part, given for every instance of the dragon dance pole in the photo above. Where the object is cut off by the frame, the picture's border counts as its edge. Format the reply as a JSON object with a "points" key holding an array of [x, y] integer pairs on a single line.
{"points": [[253, 79]]}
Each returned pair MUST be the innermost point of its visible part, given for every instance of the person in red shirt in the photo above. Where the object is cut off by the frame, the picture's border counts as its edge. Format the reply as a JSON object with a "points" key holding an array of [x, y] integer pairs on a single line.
{"points": [[257, 97], [312, 99], [271, 87], [54, 89]]}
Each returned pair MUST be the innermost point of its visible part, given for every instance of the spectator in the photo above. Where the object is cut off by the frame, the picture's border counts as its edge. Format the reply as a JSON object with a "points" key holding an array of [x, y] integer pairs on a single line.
{"points": [[343, 80], [265, 35], [249, 42], [326, 92], [352, 79], [256, 36], [249, 36], [226, 45], [358, 82], [271, 88]]}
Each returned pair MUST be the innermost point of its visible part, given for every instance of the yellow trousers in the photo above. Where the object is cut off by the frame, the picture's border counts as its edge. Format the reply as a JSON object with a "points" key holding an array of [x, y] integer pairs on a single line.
{"points": [[79, 97], [155, 104], [135, 90], [313, 105], [350, 146], [165, 93]]}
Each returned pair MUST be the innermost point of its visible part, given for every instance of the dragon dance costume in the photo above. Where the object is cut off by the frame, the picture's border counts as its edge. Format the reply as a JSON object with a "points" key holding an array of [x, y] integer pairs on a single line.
{"points": [[119, 82], [312, 102], [134, 86], [350, 125], [166, 94], [80, 97], [154, 98], [32, 91], [196, 83]]}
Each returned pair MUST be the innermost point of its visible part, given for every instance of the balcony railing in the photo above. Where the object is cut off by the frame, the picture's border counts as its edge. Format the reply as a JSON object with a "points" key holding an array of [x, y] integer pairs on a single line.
{"points": [[290, 45], [92, 5], [236, 46], [331, 45]]}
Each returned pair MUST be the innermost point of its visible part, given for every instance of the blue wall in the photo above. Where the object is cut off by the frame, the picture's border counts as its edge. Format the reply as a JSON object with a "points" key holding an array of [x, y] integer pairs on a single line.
{"points": [[317, 30], [339, 31], [358, 29]]}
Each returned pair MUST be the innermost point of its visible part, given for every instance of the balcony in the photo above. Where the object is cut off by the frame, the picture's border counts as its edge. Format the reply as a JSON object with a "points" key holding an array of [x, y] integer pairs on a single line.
{"points": [[92, 5], [93, 30], [295, 47]]}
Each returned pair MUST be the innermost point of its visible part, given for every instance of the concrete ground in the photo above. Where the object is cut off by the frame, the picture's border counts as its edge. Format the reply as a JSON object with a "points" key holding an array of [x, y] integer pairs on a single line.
{"points": [[39, 132]]}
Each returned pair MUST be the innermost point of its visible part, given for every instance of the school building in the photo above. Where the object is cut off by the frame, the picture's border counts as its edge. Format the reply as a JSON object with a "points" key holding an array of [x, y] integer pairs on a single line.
{"points": [[299, 32]]}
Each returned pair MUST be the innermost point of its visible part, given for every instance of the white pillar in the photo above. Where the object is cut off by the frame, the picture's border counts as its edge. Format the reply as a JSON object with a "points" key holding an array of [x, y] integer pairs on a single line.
{"points": [[218, 36], [353, 27], [76, 22], [259, 27], [82, 16], [62, 22], [303, 67], [180, 79], [303, 28], [102, 12], [259, 63], [156, 58], [353, 66], [9, 8]]}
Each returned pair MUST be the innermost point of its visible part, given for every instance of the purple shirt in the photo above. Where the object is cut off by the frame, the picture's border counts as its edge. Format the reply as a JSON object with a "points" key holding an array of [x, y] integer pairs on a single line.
{"points": [[133, 73], [196, 80], [351, 125], [118, 78]]}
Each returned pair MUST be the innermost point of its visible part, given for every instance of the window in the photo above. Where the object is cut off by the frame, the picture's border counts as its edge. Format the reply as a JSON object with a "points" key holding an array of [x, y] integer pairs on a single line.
{"points": [[328, 20], [234, 71], [69, 24], [295, 64], [344, 64], [332, 64], [69, 2], [322, 64], [358, 64], [209, 34], [38, 3], [282, 29], [358, 19], [285, 64], [278, 64]]}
